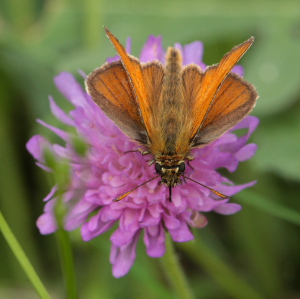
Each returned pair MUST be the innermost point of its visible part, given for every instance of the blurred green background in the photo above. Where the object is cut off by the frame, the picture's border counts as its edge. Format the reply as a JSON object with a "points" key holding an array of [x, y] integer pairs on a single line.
{"points": [[260, 245]]}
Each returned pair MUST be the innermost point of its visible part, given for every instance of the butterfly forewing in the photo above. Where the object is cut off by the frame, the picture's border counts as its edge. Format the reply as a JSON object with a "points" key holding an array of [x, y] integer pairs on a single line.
{"points": [[135, 75], [212, 79]]}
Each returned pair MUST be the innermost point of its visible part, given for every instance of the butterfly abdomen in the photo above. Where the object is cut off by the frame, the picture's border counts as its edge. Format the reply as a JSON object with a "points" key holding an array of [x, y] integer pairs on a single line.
{"points": [[170, 118]]}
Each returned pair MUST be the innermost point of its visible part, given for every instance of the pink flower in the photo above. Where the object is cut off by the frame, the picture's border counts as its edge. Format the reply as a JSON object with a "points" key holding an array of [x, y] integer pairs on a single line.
{"points": [[106, 171]]}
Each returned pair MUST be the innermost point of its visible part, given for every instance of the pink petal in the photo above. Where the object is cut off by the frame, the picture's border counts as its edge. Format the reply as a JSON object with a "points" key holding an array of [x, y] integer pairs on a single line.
{"points": [[36, 146], [62, 134], [59, 113], [181, 234], [50, 195], [228, 209], [154, 239], [246, 152], [46, 224], [153, 50], [122, 258], [70, 88], [238, 69]]}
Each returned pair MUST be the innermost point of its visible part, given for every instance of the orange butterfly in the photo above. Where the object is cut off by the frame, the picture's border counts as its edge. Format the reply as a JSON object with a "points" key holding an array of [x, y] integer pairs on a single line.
{"points": [[171, 109]]}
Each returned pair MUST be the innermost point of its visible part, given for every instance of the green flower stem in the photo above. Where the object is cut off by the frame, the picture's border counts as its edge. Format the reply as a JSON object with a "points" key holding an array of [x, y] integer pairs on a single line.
{"points": [[174, 272], [23, 260], [67, 263], [220, 271], [65, 250], [61, 171]]}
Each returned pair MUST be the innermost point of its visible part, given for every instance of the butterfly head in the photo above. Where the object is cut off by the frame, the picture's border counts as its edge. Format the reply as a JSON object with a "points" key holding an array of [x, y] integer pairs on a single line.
{"points": [[170, 170]]}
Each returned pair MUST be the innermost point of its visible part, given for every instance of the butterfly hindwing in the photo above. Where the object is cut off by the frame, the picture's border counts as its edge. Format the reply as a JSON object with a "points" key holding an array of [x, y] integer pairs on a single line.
{"points": [[234, 100]]}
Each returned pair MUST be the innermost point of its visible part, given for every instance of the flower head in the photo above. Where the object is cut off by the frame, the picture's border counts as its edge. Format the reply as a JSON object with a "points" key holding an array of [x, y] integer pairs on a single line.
{"points": [[106, 171]]}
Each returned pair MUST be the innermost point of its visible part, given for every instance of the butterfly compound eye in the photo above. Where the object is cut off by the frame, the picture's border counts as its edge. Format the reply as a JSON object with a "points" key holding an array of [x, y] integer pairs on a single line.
{"points": [[158, 168], [181, 167]]}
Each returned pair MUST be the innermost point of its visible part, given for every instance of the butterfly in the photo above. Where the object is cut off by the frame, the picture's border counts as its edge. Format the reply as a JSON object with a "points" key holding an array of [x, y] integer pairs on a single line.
{"points": [[170, 109]]}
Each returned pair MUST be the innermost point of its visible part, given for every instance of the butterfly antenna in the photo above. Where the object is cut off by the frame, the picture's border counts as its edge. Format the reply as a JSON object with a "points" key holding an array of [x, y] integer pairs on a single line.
{"points": [[223, 196], [128, 192]]}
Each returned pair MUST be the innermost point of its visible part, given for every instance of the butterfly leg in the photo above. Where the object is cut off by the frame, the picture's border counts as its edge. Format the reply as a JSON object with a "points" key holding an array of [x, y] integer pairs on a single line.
{"points": [[190, 158], [140, 150], [144, 153], [151, 162]]}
